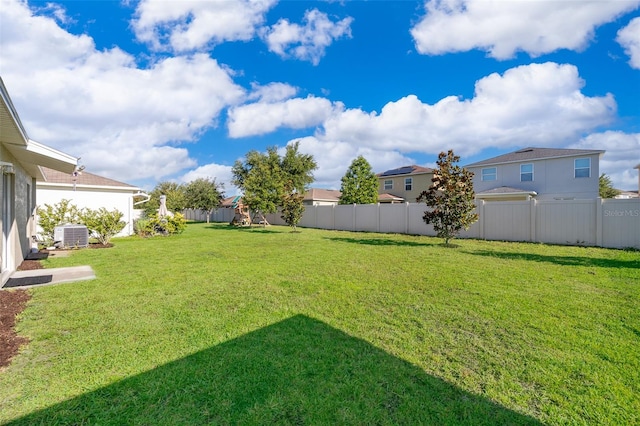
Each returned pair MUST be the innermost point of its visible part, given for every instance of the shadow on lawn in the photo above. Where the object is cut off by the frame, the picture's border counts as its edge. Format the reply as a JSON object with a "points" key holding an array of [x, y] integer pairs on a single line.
{"points": [[561, 260], [379, 242], [298, 371]]}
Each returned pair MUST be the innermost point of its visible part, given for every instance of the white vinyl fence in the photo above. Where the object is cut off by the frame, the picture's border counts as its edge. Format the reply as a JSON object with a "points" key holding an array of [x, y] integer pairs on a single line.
{"points": [[606, 223]]}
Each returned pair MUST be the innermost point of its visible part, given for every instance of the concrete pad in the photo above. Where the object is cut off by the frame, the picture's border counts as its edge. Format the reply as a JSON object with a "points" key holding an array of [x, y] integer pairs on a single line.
{"points": [[39, 277]]}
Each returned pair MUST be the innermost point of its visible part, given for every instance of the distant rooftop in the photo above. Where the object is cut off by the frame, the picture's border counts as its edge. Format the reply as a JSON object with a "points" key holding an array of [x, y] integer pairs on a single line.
{"points": [[528, 154], [406, 170]]}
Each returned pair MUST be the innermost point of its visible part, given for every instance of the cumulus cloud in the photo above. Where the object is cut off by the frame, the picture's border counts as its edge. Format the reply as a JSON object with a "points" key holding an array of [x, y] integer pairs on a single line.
{"points": [[306, 42], [265, 117], [222, 175], [272, 92], [124, 121], [190, 25], [503, 28], [537, 104], [629, 39], [621, 156]]}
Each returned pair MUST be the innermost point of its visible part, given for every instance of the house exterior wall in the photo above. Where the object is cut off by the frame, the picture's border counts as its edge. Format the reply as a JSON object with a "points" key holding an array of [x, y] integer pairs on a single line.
{"points": [[553, 178], [84, 197], [16, 215], [421, 182]]}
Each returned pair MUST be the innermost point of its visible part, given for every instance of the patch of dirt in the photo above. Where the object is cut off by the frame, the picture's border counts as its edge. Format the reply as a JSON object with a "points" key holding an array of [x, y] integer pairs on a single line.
{"points": [[11, 304]]}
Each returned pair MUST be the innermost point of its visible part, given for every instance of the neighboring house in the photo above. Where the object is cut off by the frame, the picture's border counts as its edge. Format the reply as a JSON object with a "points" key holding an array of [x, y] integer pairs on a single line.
{"points": [[321, 197], [543, 173], [403, 184], [20, 159], [86, 190]]}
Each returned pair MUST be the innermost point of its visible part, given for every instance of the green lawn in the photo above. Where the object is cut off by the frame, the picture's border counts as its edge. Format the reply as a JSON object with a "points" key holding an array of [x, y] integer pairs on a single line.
{"points": [[222, 325]]}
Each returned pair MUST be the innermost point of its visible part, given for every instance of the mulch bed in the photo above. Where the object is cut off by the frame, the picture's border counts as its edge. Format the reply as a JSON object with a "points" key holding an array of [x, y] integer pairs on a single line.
{"points": [[11, 304]]}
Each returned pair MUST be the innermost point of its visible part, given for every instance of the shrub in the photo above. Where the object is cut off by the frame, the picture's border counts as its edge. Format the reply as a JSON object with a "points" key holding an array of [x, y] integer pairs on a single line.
{"points": [[102, 224], [51, 216], [152, 225]]}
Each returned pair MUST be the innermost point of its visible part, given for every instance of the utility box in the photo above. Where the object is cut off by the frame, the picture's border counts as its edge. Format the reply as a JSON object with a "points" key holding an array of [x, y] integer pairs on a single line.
{"points": [[71, 236]]}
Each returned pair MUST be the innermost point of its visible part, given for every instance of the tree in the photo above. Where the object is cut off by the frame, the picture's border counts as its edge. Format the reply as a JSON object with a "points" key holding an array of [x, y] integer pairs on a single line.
{"points": [[451, 198], [292, 208], [265, 178], [259, 178], [359, 184], [204, 195], [176, 198], [606, 187]]}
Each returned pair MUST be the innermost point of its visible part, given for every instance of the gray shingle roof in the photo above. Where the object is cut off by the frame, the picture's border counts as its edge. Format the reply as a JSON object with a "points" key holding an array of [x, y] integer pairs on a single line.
{"points": [[528, 154]]}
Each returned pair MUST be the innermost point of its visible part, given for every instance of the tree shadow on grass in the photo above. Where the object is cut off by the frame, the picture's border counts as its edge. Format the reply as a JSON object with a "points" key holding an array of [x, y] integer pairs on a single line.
{"points": [[379, 242], [298, 371], [561, 260]]}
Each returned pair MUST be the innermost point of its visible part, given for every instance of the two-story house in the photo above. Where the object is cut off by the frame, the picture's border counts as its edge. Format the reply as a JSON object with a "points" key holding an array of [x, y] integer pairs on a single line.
{"points": [[543, 173], [403, 184]]}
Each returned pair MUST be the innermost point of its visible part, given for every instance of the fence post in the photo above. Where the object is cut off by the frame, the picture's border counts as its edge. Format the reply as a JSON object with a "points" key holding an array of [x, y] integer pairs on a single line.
{"points": [[406, 217], [599, 206], [480, 208], [353, 216], [378, 217], [532, 218]]}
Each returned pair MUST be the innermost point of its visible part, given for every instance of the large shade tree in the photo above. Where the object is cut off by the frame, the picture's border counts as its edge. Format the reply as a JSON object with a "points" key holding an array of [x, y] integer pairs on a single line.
{"points": [[451, 198], [359, 184], [204, 194], [265, 178]]}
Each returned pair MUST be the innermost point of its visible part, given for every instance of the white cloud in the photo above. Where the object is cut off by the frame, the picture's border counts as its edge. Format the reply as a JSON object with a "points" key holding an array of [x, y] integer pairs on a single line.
{"points": [[222, 174], [272, 92], [308, 42], [123, 121], [503, 28], [537, 104], [629, 39], [190, 25], [623, 154], [265, 117]]}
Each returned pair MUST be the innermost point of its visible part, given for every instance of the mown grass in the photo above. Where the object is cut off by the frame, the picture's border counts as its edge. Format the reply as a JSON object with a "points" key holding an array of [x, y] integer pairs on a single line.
{"points": [[223, 325]]}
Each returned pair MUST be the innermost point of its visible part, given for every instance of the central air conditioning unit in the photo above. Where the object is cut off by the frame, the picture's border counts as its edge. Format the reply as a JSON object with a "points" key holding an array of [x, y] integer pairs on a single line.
{"points": [[71, 236]]}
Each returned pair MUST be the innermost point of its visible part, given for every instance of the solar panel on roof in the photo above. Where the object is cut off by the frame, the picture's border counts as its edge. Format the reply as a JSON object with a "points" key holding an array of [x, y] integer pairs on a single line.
{"points": [[399, 171]]}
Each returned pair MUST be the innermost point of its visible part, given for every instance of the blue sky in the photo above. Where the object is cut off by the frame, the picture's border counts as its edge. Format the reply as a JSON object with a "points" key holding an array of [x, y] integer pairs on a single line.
{"points": [[155, 90]]}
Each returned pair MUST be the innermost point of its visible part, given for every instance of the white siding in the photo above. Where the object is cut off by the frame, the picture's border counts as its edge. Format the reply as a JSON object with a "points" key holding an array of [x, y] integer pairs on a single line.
{"points": [[93, 199]]}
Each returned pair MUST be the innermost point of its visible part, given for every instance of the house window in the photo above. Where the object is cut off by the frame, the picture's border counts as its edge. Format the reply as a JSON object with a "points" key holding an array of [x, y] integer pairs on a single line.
{"points": [[526, 172], [388, 184], [582, 167], [408, 184], [489, 174]]}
